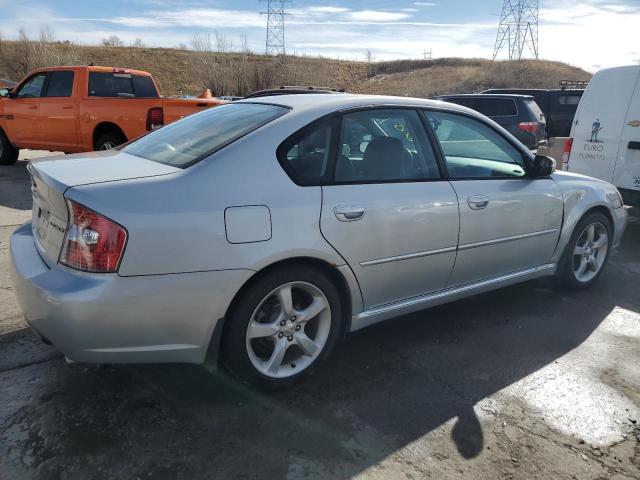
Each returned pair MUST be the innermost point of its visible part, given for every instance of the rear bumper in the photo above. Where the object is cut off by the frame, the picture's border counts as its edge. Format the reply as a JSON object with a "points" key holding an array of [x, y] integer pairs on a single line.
{"points": [[106, 318]]}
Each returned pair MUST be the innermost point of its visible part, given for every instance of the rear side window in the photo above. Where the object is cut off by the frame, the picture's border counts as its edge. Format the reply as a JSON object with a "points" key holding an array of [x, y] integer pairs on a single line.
{"points": [[143, 87], [60, 84], [569, 99], [195, 137], [305, 155], [124, 85]]}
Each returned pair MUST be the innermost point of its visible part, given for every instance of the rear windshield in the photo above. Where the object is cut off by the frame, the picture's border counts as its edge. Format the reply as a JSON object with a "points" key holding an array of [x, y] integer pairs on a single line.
{"points": [[491, 107], [535, 109], [193, 138]]}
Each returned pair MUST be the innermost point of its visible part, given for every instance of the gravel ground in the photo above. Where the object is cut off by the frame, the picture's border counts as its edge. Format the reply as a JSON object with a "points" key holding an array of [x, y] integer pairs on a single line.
{"points": [[526, 382]]}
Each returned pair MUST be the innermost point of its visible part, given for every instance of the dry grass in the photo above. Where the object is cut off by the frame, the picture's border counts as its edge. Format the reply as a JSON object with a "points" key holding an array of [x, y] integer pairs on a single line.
{"points": [[180, 72]]}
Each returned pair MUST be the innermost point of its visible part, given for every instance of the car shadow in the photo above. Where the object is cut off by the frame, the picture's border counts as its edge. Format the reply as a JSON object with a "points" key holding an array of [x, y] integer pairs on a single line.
{"points": [[384, 388]]}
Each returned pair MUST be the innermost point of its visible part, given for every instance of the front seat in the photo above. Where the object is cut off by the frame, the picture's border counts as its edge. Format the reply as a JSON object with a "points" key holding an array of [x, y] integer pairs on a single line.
{"points": [[383, 159]]}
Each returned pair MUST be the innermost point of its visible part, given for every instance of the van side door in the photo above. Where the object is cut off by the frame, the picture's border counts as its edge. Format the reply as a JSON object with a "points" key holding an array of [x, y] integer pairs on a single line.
{"points": [[626, 175]]}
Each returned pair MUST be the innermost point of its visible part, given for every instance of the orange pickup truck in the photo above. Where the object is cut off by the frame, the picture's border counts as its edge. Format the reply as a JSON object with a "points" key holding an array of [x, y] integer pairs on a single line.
{"points": [[77, 109]]}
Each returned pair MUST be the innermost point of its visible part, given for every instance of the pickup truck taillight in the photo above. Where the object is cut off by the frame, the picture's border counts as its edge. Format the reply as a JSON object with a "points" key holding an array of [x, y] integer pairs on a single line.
{"points": [[155, 118], [530, 127], [92, 243], [566, 150]]}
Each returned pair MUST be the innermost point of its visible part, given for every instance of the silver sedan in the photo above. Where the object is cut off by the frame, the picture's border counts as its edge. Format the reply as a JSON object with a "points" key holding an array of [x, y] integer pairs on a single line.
{"points": [[259, 233]]}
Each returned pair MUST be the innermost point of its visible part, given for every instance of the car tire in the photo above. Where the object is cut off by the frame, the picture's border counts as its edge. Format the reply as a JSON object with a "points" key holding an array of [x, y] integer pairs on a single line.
{"points": [[258, 328], [587, 252], [8, 153], [109, 141]]}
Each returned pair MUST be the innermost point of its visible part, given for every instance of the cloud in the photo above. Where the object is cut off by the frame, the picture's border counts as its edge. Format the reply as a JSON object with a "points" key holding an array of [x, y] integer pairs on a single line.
{"points": [[377, 16], [425, 4]]}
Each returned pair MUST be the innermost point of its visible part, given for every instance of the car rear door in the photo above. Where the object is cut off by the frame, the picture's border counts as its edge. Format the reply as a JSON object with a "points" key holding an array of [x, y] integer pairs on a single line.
{"points": [[508, 221], [627, 169], [385, 207], [58, 111]]}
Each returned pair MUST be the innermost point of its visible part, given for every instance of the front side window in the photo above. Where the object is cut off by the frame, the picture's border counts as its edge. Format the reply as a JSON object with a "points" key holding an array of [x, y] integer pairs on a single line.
{"points": [[191, 139], [474, 150], [384, 145], [32, 88], [60, 84]]}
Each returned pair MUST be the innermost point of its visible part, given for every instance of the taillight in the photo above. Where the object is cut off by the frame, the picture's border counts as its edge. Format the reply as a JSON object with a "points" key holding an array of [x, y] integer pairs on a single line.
{"points": [[155, 118], [566, 150], [93, 243], [530, 127]]}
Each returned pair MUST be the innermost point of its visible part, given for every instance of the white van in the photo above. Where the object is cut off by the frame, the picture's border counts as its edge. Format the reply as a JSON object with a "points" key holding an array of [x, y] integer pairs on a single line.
{"points": [[605, 135]]}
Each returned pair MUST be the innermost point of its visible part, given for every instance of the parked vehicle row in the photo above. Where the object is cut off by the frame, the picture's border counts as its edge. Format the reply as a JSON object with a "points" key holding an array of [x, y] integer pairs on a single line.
{"points": [[79, 109], [302, 218]]}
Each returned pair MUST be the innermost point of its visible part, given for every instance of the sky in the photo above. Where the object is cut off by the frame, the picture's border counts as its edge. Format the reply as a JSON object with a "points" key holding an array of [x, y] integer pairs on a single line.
{"points": [[591, 34]]}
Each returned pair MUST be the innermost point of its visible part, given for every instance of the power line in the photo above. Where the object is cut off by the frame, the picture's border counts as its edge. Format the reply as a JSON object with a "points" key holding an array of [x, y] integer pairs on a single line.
{"points": [[518, 29], [275, 12]]}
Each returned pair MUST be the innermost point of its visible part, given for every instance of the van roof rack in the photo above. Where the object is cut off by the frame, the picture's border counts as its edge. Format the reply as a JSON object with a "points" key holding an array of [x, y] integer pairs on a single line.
{"points": [[573, 84]]}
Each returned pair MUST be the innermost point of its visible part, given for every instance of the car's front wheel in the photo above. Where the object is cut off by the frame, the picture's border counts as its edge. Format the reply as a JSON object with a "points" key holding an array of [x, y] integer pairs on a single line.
{"points": [[587, 252], [8, 153], [282, 327]]}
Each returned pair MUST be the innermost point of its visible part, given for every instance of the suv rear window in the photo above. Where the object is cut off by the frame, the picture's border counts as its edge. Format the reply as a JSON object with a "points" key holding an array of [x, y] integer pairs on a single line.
{"points": [[126, 85], [535, 109], [197, 136]]}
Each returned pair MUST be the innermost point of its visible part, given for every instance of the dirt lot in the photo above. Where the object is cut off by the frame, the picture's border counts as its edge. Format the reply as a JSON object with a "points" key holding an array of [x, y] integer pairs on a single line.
{"points": [[527, 382]]}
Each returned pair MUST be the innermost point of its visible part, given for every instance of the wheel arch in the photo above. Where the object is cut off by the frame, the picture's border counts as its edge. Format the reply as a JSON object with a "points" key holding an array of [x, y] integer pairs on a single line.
{"points": [[332, 271], [106, 127]]}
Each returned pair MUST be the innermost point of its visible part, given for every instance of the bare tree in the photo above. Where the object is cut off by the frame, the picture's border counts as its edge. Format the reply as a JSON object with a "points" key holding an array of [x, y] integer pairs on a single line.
{"points": [[25, 54], [112, 41], [369, 58], [138, 43]]}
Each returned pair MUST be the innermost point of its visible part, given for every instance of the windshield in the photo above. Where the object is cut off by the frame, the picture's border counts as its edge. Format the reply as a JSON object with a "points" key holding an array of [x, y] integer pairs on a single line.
{"points": [[191, 139]]}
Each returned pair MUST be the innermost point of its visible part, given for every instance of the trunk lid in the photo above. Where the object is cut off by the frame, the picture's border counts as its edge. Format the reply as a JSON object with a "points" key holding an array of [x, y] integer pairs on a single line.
{"points": [[52, 176]]}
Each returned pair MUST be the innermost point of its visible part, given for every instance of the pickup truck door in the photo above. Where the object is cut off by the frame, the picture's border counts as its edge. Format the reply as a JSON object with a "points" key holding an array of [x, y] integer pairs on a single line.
{"points": [[22, 111], [58, 112]]}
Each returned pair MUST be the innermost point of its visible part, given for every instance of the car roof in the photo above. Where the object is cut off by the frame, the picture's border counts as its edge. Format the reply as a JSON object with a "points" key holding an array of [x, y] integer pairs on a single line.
{"points": [[489, 95], [322, 104]]}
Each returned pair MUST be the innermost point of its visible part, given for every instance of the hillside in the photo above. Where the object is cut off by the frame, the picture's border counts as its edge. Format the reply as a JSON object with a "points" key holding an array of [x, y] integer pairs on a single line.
{"points": [[237, 73]]}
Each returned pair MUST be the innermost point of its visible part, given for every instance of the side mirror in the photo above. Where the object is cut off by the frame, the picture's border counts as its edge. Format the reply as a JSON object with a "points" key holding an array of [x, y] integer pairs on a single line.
{"points": [[543, 166], [5, 92]]}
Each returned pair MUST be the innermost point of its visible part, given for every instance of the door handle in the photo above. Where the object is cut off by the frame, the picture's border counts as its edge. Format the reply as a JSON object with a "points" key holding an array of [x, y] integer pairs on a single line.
{"points": [[348, 213], [67, 107], [478, 202], [32, 107], [634, 146]]}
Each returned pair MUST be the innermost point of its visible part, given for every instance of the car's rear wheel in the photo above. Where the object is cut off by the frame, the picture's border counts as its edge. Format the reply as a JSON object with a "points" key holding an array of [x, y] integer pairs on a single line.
{"points": [[587, 252], [8, 153], [282, 327], [109, 140]]}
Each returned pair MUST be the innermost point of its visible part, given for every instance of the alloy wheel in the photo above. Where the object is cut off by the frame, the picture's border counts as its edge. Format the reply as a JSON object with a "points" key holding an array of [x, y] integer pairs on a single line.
{"points": [[590, 252], [288, 330]]}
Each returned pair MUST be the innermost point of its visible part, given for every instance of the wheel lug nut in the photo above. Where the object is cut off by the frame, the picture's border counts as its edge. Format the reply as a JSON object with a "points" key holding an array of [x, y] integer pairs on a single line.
{"points": [[283, 323], [290, 338], [280, 335], [297, 328], [293, 318]]}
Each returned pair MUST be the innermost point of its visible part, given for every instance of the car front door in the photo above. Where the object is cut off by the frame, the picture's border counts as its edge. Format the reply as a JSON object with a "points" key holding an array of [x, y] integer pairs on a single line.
{"points": [[508, 220], [22, 111], [387, 210]]}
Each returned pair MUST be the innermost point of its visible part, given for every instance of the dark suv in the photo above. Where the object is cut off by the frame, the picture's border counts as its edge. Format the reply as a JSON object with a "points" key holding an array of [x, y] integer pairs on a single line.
{"points": [[519, 114], [559, 106]]}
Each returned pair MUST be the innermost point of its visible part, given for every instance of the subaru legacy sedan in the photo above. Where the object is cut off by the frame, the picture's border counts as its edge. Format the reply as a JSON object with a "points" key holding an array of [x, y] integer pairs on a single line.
{"points": [[259, 233]]}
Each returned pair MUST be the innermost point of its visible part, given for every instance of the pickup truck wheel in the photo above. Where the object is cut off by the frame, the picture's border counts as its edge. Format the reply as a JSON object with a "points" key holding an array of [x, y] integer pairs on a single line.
{"points": [[8, 153], [109, 140]]}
